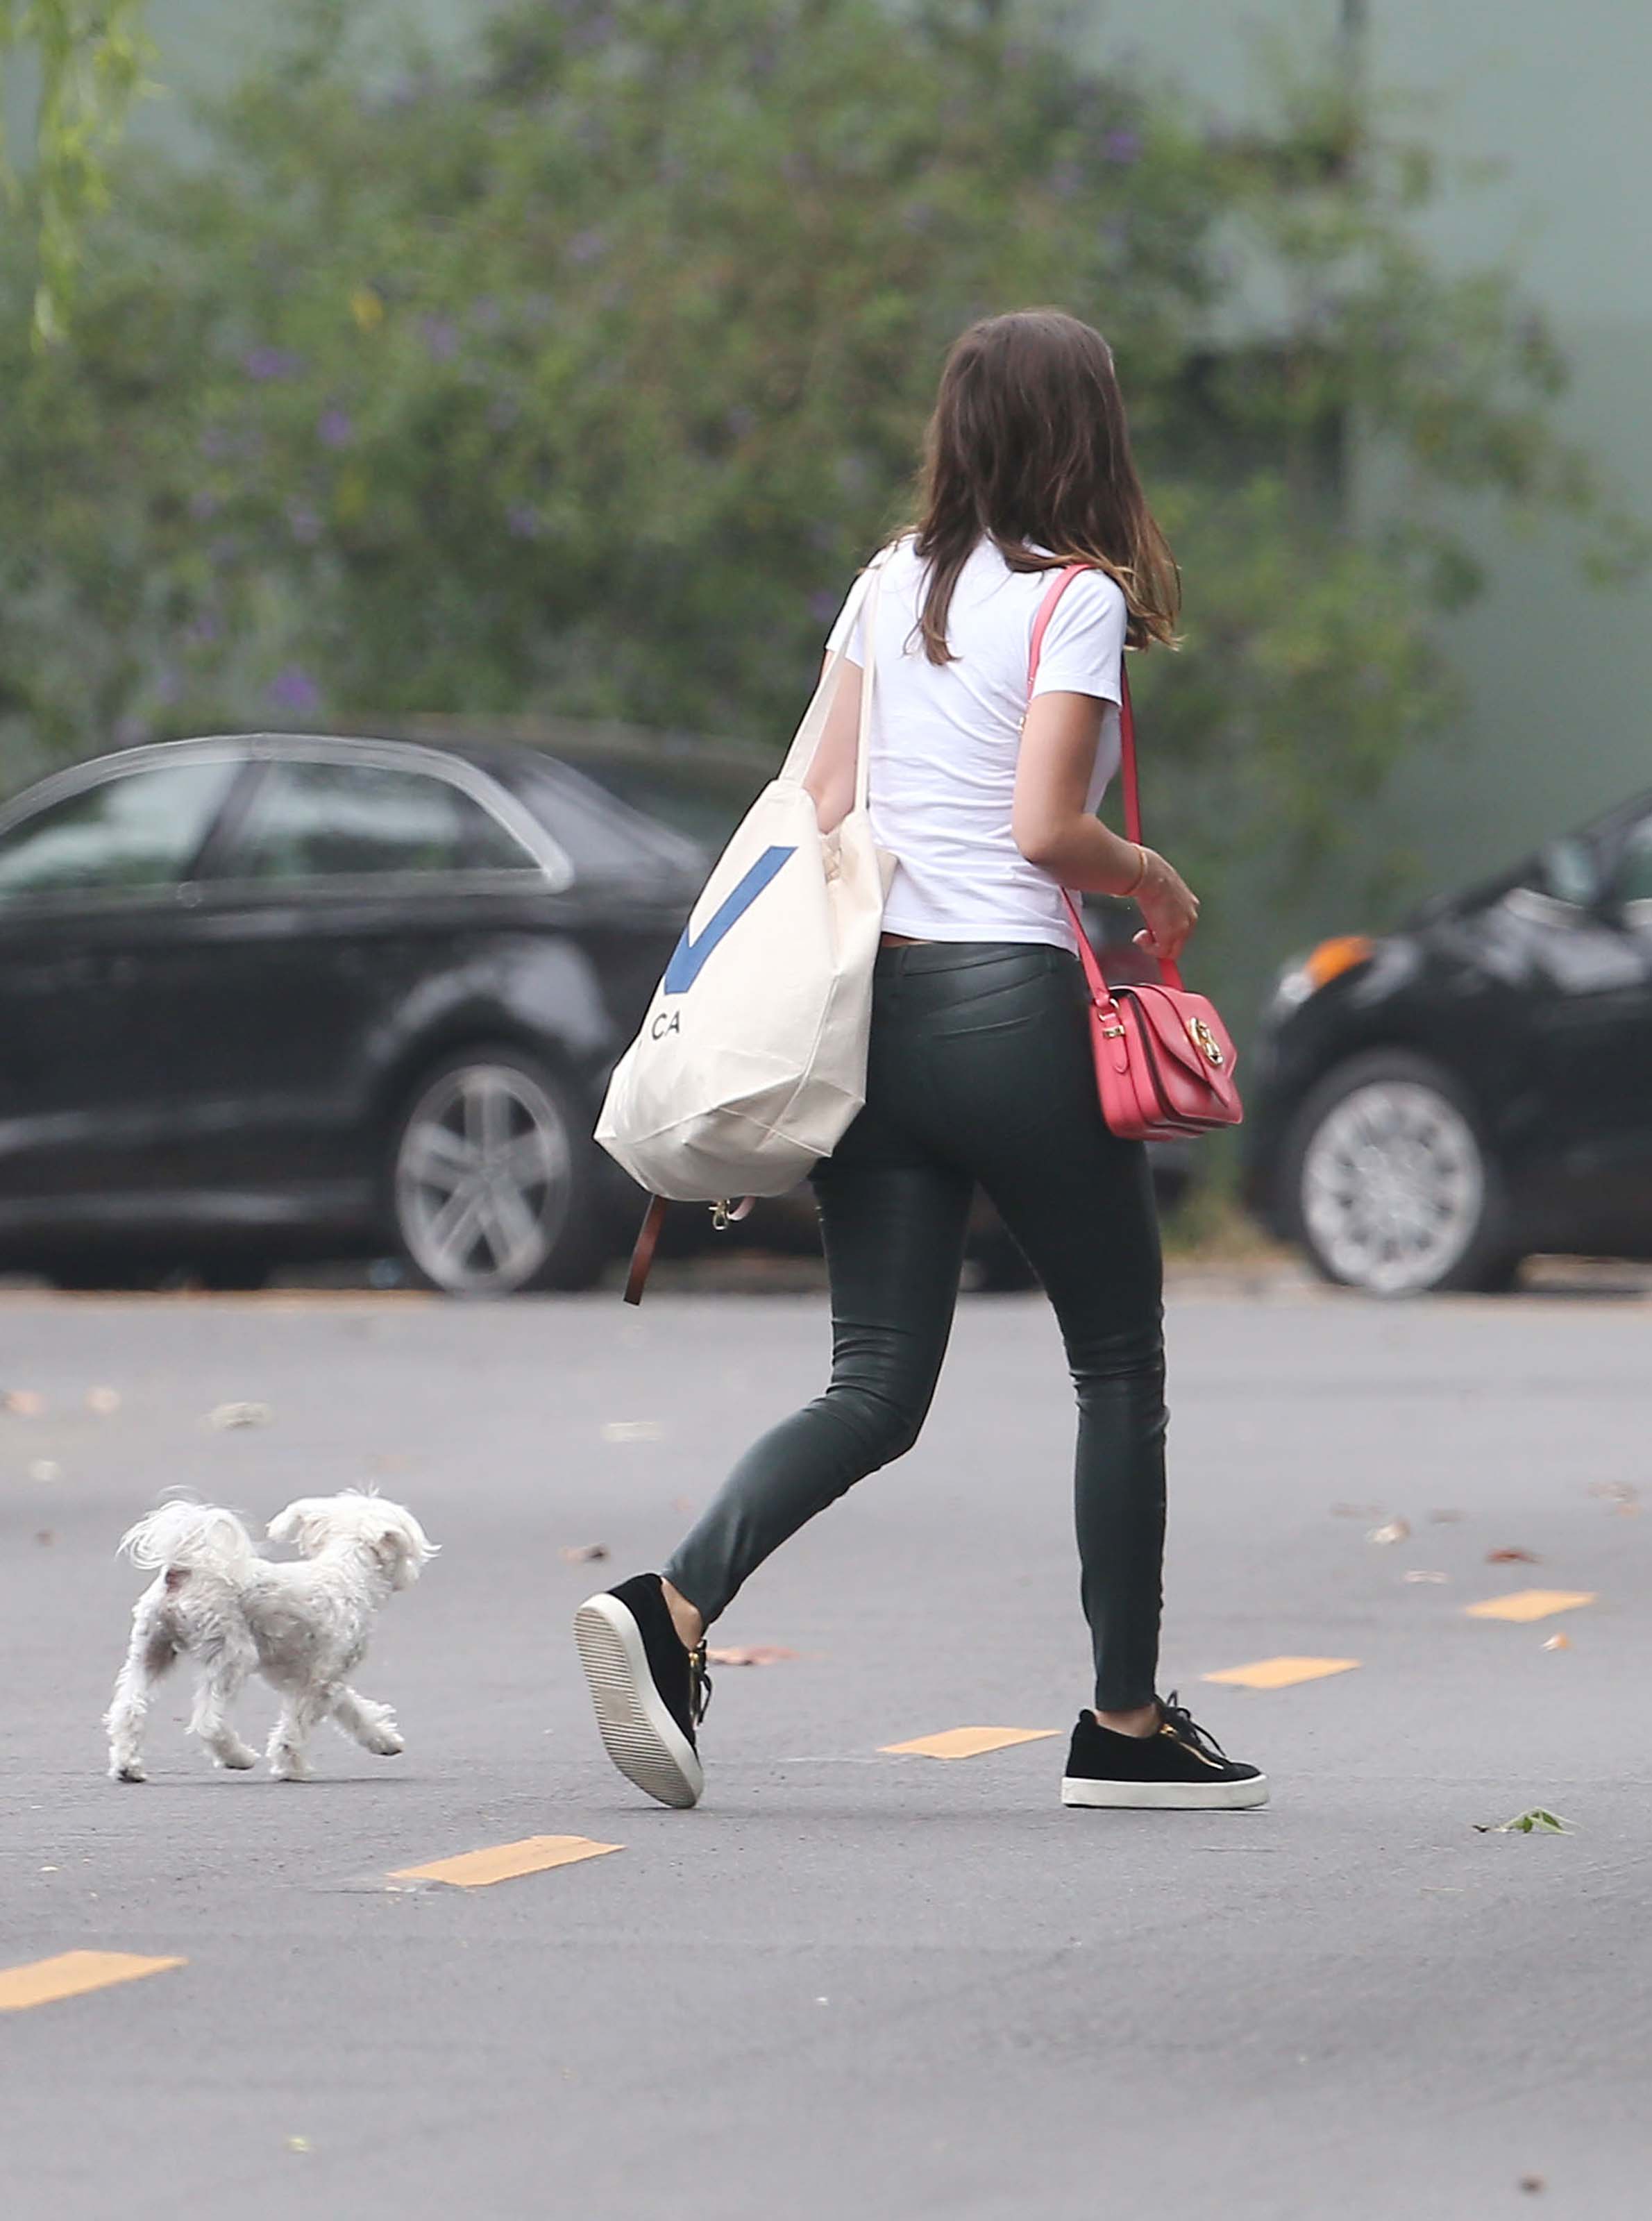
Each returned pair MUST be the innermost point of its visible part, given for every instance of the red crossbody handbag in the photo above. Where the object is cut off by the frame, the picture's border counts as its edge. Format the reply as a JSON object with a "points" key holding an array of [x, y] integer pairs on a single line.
{"points": [[1164, 1060]]}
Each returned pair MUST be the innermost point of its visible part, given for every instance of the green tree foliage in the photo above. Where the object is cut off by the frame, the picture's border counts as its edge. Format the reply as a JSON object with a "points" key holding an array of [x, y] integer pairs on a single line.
{"points": [[90, 56], [580, 375]]}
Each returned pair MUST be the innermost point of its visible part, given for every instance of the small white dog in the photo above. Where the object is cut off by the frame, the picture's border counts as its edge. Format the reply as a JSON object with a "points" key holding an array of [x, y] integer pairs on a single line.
{"points": [[303, 1625]]}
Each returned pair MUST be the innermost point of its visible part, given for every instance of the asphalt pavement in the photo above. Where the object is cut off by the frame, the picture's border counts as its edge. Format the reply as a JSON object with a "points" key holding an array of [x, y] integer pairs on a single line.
{"points": [[851, 1982]]}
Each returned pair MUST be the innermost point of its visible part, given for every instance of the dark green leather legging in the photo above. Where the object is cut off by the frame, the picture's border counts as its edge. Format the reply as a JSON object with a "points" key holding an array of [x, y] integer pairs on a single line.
{"points": [[979, 1071]]}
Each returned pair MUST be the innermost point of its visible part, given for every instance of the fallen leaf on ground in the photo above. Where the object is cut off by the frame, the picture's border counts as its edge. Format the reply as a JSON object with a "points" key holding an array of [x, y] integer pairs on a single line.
{"points": [[1355, 1511], [103, 1401], [751, 1654], [1558, 1642], [682, 1504], [22, 1403], [1444, 1516], [1512, 1558], [1533, 2182], [1536, 1822], [240, 1415], [582, 1553], [632, 1430], [1617, 1493], [45, 1469], [1395, 1530], [1425, 1577], [298, 2144], [44, 1535]]}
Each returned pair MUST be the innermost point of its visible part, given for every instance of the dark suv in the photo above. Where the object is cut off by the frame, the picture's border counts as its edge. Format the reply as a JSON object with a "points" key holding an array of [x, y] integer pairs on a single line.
{"points": [[277, 997], [1429, 1107]]}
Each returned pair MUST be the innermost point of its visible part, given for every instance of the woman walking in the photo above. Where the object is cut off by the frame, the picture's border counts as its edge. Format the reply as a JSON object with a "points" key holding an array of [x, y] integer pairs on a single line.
{"points": [[979, 1069]]}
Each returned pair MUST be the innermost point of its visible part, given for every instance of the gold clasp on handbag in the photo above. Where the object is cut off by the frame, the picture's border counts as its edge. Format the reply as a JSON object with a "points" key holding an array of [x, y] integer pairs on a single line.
{"points": [[728, 1213], [1203, 1039]]}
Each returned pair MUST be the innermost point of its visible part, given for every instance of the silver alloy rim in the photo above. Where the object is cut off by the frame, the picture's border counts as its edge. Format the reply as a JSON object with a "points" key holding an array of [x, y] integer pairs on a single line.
{"points": [[1392, 1188], [482, 1179]]}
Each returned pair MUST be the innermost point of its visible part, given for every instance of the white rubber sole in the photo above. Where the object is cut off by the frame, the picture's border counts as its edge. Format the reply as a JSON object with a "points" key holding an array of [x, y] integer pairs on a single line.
{"points": [[1164, 1796], [637, 1729]]}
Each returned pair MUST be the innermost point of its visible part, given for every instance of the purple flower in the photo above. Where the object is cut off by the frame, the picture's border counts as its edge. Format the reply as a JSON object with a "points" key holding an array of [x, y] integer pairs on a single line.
{"points": [[267, 363], [1065, 181], [202, 630], [334, 429], [586, 246], [168, 687], [294, 690], [522, 522], [487, 313], [1121, 146], [203, 503], [216, 443], [441, 337], [741, 421], [130, 732], [305, 525]]}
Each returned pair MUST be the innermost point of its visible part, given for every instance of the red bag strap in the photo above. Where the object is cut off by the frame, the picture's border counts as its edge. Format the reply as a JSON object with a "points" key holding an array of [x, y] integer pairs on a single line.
{"points": [[1057, 587]]}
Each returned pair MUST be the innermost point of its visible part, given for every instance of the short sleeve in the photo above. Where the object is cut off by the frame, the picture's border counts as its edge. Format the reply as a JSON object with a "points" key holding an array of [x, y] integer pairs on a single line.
{"points": [[849, 630], [1085, 640]]}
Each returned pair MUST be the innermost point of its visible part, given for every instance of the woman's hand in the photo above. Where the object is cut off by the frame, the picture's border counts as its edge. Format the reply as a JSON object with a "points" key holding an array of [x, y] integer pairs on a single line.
{"points": [[1169, 905]]}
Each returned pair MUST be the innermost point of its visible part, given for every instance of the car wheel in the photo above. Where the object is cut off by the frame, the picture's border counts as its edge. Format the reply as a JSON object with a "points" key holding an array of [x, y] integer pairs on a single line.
{"points": [[1388, 1185], [493, 1179]]}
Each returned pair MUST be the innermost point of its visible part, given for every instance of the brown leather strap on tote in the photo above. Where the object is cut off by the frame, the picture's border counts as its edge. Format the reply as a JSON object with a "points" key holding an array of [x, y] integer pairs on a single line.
{"points": [[647, 1242]]}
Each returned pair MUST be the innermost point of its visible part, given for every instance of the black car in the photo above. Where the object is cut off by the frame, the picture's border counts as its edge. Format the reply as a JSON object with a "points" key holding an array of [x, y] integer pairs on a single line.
{"points": [[278, 996], [1429, 1107]]}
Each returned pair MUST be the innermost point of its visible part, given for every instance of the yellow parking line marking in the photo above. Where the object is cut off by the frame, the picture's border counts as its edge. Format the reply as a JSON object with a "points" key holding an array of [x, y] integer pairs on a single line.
{"points": [[72, 1973], [1282, 1673], [966, 1742], [1530, 1604], [505, 1861]]}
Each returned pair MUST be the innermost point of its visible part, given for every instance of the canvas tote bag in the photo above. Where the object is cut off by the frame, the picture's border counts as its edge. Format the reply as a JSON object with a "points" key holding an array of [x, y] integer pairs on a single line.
{"points": [[752, 1059]]}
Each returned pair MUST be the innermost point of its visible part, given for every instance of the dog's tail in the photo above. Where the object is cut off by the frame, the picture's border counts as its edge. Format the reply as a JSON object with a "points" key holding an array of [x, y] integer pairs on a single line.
{"points": [[191, 1538]]}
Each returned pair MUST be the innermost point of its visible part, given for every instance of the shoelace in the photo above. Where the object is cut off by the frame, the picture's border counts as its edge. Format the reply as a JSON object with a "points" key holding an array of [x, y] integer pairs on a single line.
{"points": [[699, 1684], [1186, 1729]]}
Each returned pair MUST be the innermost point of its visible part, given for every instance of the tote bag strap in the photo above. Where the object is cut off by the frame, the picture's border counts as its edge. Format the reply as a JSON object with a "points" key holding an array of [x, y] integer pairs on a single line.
{"points": [[1058, 587], [861, 611]]}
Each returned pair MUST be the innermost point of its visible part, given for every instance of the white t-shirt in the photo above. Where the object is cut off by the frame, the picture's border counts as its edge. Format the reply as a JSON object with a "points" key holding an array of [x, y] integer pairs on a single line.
{"points": [[945, 739]]}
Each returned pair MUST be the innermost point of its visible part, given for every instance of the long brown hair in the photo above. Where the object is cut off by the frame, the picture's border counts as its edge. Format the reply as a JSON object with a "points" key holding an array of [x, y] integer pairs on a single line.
{"points": [[1028, 447]]}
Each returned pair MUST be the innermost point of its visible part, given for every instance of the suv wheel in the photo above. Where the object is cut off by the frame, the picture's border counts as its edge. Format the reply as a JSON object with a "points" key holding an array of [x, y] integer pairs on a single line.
{"points": [[492, 1180], [1389, 1186]]}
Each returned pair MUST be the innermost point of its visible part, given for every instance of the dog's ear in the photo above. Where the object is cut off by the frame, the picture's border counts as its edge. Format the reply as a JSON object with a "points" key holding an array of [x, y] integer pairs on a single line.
{"points": [[299, 1524], [402, 1548]]}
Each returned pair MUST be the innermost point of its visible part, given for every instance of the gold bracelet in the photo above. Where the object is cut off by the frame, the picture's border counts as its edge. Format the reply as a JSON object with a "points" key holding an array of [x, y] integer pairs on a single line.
{"points": [[1134, 885]]}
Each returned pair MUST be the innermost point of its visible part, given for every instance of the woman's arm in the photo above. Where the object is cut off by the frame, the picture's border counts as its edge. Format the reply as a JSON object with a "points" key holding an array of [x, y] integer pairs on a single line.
{"points": [[831, 781], [1054, 829]]}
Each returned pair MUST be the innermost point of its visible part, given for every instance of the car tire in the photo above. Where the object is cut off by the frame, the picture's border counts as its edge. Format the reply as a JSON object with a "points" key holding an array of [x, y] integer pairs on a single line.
{"points": [[494, 1181], [1386, 1182]]}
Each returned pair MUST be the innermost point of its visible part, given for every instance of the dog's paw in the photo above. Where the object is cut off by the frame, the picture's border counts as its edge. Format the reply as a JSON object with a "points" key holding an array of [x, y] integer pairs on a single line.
{"points": [[129, 1771], [386, 1741], [240, 1760], [287, 1765]]}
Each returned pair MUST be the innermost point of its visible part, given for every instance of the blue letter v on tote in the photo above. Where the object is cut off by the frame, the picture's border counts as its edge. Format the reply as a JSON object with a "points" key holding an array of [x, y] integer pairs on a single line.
{"points": [[689, 956]]}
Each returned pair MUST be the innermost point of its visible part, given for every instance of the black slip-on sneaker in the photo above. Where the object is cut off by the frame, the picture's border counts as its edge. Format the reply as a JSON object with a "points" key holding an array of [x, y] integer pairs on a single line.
{"points": [[1179, 1770], [650, 1692]]}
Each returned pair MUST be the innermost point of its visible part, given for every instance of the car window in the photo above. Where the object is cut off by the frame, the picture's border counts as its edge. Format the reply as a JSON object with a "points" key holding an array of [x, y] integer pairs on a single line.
{"points": [[317, 821], [607, 834], [135, 829]]}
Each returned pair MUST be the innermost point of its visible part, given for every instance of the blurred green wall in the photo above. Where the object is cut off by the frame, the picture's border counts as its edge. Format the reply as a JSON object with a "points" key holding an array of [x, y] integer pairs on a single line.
{"points": [[1559, 672]]}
